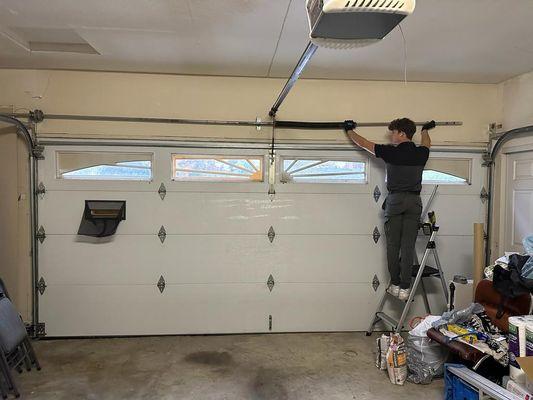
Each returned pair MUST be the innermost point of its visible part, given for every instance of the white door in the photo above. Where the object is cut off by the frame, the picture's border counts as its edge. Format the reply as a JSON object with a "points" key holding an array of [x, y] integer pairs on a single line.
{"points": [[235, 258], [518, 200]]}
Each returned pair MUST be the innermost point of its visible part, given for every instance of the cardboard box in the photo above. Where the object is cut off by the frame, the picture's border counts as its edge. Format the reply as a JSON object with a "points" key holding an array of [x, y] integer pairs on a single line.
{"points": [[526, 363]]}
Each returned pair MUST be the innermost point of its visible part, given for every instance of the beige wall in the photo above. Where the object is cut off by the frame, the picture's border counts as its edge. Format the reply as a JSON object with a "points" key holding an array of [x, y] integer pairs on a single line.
{"points": [[150, 95], [15, 261], [518, 101]]}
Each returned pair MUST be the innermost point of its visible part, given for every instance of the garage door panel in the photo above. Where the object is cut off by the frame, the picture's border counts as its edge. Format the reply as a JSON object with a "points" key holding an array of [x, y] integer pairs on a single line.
{"points": [[324, 213], [322, 307], [455, 254], [61, 212], [215, 213], [456, 214], [218, 213], [138, 259], [327, 258], [194, 213], [142, 310]]}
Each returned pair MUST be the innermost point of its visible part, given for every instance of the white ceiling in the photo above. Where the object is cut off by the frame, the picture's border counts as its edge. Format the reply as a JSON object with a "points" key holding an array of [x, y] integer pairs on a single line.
{"points": [[481, 41]]}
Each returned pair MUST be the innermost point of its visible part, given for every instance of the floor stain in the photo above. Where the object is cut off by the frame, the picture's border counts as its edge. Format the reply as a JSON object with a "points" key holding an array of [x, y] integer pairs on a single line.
{"points": [[351, 353], [213, 358], [267, 385]]}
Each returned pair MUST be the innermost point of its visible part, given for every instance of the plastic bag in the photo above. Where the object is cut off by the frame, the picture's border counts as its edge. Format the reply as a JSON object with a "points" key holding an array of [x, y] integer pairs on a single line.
{"points": [[527, 269], [458, 316], [528, 244], [425, 359], [425, 324], [382, 346], [397, 360]]}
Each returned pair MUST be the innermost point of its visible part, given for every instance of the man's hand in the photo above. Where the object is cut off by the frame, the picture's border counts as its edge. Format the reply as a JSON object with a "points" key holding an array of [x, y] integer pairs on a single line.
{"points": [[349, 128], [349, 125], [429, 125]]}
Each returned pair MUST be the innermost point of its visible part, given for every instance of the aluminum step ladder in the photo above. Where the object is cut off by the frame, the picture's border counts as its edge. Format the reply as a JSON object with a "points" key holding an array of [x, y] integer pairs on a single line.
{"points": [[420, 270]]}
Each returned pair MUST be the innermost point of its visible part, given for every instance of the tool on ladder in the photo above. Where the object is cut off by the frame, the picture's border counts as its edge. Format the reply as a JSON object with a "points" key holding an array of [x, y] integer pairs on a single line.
{"points": [[420, 270]]}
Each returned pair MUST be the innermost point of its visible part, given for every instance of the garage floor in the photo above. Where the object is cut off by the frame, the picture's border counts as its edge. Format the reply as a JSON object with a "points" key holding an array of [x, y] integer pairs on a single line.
{"points": [[256, 367]]}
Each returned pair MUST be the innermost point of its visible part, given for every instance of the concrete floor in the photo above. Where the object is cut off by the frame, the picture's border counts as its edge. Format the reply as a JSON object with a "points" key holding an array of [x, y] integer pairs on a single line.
{"points": [[256, 367]]}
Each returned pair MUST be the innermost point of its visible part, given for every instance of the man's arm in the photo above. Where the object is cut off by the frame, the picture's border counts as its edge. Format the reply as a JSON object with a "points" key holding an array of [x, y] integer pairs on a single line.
{"points": [[362, 142], [426, 140]]}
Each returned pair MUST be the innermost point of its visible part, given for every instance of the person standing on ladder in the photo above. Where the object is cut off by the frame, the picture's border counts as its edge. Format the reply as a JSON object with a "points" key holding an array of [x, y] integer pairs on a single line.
{"points": [[403, 207]]}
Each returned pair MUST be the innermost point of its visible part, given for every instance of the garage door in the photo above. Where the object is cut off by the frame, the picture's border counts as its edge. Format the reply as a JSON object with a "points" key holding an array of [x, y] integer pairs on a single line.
{"points": [[221, 241]]}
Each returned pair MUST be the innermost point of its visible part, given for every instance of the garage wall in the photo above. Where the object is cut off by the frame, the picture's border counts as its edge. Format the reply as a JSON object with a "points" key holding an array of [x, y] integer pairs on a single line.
{"points": [[71, 92], [517, 100], [15, 261], [152, 95], [517, 97]]}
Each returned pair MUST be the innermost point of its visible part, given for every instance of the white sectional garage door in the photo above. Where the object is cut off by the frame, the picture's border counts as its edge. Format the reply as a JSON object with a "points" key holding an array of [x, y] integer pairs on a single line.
{"points": [[222, 271]]}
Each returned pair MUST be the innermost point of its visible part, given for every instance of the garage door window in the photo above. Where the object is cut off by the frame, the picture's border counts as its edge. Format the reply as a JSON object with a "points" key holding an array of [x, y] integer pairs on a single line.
{"points": [[104, 166], [450, 171], [217, 168], [315, 170]]}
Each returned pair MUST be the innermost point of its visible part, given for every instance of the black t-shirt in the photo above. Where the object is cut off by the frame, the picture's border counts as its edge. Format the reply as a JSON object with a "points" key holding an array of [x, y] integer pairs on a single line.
{"points": [[405, 164]]}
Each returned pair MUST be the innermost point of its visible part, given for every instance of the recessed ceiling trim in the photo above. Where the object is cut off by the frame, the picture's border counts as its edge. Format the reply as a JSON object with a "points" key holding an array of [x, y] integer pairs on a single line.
{"points": [[14, 38], [80, 48]]}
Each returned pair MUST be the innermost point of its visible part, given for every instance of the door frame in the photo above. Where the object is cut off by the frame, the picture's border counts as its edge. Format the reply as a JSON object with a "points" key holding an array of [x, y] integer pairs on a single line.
{"points": [[508, 150]]}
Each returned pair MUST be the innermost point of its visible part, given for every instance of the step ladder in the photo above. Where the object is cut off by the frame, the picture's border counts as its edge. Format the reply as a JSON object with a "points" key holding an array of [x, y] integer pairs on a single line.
{"points": [[420, 271]]}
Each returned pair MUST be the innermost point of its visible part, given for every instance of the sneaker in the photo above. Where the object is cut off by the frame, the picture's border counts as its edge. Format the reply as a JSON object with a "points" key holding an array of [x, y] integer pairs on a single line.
{"points": [[404, 294], [393, 290]]}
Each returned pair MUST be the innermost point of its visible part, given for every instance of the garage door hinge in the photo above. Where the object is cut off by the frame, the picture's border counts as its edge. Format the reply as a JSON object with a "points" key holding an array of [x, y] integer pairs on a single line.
{"points": [[270, 322], [41, 190], [375, 283], [484, 195], [41, 286], [376, 235], [162, 191], [38, 151], [36, 331], [270, 282], [161, 284], [487, 160], [162, 234], [271, 234], [40, 234], [377, 193]]}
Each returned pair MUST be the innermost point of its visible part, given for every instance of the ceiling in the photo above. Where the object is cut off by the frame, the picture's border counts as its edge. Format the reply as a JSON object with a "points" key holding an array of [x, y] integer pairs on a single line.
{"points": [[479, 41]]}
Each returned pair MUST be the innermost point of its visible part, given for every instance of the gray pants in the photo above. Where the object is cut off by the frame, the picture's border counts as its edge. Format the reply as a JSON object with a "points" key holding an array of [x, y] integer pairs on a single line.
{"points": [[402, 216]]}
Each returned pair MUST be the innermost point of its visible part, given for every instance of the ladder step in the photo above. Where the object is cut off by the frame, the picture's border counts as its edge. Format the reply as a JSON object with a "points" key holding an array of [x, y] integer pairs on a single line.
{"points": [[428, 271], [388, 320]]}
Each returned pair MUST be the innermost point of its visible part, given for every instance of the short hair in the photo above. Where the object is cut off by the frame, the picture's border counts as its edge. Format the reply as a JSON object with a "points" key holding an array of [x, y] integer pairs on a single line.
{"points": [[404, 125]]}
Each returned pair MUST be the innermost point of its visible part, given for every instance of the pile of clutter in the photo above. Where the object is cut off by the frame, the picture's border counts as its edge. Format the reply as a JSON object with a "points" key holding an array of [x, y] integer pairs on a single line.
{"points": [[512, 274], [418, 359], [473, 327]]}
